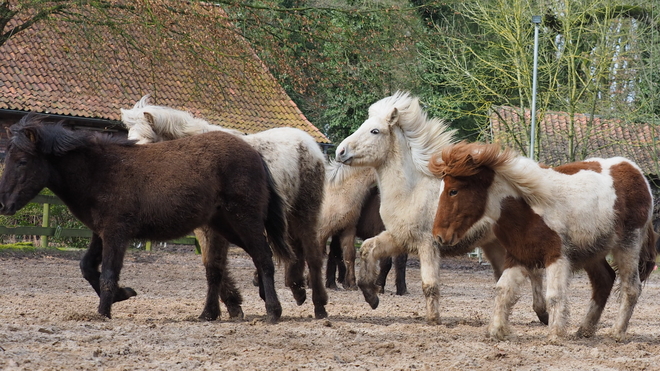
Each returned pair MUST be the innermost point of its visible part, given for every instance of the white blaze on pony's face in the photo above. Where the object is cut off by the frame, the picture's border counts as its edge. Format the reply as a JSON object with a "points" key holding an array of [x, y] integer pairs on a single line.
{"points": [[370, 143]]}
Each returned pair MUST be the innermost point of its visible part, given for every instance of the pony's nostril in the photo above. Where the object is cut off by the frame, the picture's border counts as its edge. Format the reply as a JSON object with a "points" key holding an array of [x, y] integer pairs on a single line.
{"points": [[341, 153]]}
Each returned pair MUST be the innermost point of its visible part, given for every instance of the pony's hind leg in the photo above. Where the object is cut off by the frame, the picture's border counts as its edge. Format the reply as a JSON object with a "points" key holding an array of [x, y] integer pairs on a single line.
{"points": [[385, 267], [400, 262], [295, 272], [627, 259], [219, 282], [507, 290], [314, 259], [538, 296], [601, 276], [347, 239], [334, 264]]}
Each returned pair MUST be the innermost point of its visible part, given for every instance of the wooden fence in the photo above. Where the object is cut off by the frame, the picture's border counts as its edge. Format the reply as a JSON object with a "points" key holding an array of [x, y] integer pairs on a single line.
{"points": [[46, 230]]}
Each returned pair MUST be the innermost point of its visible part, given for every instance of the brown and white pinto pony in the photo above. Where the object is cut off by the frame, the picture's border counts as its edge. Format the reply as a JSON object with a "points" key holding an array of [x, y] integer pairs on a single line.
{"points": [[561, 219]]}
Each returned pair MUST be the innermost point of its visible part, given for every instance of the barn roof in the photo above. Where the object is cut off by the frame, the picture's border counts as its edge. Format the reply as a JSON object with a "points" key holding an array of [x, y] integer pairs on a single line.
{"points": [[595, 136], [66, 68]]}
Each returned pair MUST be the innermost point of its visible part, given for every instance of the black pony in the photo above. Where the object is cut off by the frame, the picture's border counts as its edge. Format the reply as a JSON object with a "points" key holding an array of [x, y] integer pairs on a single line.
{"points": [[122, 191]]}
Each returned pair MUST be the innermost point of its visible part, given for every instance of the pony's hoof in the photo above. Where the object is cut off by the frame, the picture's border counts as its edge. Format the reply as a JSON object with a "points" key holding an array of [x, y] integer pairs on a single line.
{"points": [[401, 292], [381, 289], [370, 294], [236, 313], [273, 313], [206, 316], [300, 294], [585, 332], [544, 318], [498, 333], [331, 285], [320, 312], [123, 293], [371, 299], [350, 287]]}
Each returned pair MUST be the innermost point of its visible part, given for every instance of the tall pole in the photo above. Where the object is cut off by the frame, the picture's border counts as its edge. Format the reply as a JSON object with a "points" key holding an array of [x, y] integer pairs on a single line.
{"points": [[532, 134]]}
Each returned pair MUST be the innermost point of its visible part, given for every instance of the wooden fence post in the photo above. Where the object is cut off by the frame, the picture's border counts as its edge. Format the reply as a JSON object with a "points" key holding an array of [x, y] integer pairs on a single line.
{"points": [[45, 223]]}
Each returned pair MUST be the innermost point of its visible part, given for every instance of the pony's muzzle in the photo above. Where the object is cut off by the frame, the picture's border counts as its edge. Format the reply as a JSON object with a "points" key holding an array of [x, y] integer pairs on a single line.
{"points": [[343, 156]]}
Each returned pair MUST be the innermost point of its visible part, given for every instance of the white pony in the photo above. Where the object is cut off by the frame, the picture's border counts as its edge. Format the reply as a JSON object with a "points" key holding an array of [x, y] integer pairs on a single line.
{"points": [[298, 169], [398, 140]]}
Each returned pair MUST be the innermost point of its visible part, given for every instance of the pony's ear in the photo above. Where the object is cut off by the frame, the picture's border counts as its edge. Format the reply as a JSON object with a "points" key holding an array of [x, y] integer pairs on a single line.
{"points": [[393, 117], [150, 118], [143, 102], [31, 135]]}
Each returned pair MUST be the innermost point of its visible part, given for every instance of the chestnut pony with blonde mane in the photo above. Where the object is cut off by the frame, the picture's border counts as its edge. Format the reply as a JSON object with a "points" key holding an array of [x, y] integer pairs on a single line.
{"points": [[562, 219]]}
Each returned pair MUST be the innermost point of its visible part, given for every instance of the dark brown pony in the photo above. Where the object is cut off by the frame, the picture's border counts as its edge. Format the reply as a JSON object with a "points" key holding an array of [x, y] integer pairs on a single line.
{"points": [[122, 191], [368, 224]]}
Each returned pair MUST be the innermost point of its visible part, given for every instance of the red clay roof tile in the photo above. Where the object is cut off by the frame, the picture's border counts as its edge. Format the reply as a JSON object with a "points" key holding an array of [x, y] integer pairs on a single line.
{"points": [[595, 137], [58, 68]]}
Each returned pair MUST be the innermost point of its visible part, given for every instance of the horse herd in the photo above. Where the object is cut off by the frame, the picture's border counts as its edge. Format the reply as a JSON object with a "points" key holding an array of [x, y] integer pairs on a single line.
{"points": [[401, 182]]}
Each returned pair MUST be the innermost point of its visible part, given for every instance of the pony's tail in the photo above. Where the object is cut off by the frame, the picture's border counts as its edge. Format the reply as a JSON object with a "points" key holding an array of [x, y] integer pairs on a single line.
{"points": [[276, 225], [648, 254]]}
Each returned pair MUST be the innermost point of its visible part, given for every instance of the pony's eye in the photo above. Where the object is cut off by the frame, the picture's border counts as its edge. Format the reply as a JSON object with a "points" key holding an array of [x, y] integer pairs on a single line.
{"points": [[453, 192], [375, 131]]}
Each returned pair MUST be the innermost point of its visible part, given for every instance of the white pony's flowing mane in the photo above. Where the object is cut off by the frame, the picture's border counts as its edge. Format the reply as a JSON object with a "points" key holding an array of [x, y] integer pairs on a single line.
{"points": [[425, 136], [168, 122]]}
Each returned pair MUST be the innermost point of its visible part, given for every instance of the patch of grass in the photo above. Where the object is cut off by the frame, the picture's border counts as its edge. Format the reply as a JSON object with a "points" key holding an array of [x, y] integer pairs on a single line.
{"points": [[24, 246]]}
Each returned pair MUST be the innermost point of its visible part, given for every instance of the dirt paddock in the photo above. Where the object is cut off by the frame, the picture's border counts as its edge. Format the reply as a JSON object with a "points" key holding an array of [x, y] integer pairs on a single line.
{"points": [[48, 322]]}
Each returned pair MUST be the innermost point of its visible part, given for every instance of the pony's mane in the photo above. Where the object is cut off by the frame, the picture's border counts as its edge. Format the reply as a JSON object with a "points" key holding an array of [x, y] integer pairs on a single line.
{"points": [[467, 159], [425, 136], [336, 173], [33, 135], [167, 121]]}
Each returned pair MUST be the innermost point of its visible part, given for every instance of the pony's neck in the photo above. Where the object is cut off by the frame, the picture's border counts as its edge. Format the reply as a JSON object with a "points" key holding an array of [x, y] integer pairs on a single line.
{"points": [[398, 174], [521, 178]]}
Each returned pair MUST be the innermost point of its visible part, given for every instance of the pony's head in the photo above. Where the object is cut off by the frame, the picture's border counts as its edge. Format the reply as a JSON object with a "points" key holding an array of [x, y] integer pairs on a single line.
{"points": [[141, 128], [26, 166], [467, 171], [398, 117]]}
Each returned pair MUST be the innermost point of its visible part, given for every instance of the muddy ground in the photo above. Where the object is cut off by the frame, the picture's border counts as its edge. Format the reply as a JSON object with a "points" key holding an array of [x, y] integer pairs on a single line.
{"points": [[48, 322]]}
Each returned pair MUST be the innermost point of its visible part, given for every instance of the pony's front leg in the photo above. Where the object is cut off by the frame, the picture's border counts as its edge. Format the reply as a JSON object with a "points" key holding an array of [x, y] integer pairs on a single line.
{"points": [[507, 289], [558, 274], [89, 266], [429, 259], [372, 250], [114, 249]]}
